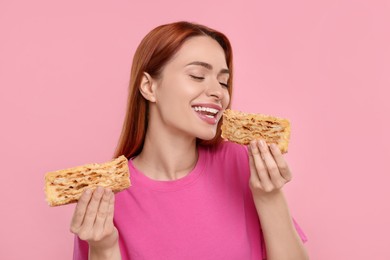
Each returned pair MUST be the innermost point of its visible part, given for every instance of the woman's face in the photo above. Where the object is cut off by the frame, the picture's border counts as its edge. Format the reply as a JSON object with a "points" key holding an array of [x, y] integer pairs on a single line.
{"points": [[192, 91]]}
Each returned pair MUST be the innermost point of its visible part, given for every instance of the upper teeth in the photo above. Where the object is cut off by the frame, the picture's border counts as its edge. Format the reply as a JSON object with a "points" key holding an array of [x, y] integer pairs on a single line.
{"points": [[206, 109]]}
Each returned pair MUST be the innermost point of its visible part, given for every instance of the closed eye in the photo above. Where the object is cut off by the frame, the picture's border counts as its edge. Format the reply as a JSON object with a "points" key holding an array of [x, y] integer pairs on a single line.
{"points": [[224, 84], [202, 78], [196, 77]]}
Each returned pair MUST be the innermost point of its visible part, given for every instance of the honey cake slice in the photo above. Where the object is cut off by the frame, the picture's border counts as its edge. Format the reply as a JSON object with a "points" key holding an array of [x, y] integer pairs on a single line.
{"points": [[67, 185], [241, 128]]}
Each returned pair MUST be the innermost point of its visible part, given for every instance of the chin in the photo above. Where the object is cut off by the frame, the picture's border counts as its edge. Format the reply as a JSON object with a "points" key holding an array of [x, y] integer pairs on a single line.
{"points": [[206, 136]]}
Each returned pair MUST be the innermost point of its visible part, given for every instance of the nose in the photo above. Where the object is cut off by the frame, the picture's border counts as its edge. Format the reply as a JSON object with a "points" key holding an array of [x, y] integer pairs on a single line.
{"points": [[215, 90]]}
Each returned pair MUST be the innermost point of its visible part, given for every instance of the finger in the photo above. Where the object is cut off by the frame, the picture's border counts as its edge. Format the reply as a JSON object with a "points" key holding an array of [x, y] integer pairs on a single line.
{"points": [[79, 213], [261, 169], [271, 165], [90, 214], [110, 214], [281, 162], [102, 211], [254, 178]]}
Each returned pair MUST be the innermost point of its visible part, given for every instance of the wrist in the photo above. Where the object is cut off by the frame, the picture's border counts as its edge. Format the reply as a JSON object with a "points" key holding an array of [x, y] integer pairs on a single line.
{"points": [[104, 248], [268, 197], [104, 253]]}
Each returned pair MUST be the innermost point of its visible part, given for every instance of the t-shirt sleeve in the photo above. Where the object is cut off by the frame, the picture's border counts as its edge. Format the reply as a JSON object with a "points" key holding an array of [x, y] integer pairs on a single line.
{"points": [[80, 249], [299, 231]]}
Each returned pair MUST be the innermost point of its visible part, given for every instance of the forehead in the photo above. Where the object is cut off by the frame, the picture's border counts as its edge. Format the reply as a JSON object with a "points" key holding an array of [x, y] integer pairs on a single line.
{"points": [[200, 48]]}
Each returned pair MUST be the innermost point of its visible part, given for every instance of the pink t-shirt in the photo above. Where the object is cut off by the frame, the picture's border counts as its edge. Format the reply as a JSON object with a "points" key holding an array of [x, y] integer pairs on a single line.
{"points": [[208, 214]]}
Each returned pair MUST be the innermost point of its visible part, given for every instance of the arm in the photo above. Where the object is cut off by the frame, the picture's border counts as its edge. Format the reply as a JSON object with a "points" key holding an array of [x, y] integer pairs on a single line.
{"points": [[269, 173], [93, 222]]}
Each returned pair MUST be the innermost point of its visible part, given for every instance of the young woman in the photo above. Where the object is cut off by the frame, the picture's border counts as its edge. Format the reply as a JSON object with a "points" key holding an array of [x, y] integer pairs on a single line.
{"points": [[193, 195]]}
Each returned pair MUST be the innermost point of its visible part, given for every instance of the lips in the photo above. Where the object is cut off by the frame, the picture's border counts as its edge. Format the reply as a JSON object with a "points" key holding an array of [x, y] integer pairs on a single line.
{"points": [[207, 112]]}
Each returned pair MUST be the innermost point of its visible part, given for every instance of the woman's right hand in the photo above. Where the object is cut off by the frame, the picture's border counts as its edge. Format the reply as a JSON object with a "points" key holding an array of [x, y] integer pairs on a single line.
{"points": [[93, 222]]}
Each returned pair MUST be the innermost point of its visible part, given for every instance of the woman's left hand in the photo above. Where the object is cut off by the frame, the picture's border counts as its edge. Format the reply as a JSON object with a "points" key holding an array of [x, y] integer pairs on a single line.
{"points": [[269, 170]]}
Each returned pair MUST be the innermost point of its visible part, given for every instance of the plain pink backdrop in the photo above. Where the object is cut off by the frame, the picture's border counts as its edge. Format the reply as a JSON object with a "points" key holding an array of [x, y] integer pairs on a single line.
{"points": [[325, 65]]}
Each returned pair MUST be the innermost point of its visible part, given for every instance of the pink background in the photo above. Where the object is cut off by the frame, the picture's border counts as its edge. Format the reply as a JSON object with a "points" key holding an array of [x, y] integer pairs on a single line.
{"points": [[325, 65]]}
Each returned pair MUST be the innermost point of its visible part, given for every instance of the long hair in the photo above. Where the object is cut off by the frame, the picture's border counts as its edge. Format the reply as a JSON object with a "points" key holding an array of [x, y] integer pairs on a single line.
{"points": [[154, 51]]}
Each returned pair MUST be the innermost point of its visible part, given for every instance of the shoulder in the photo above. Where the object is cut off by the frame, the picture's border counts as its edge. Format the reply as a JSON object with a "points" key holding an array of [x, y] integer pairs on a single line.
{"points": [[230, 162], [228, 148], [227, 151]]}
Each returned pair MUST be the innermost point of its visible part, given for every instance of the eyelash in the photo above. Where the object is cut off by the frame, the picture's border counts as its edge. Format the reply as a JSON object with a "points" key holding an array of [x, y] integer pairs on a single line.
{"points": [[197, 78], [202, 78], [223, 84]]}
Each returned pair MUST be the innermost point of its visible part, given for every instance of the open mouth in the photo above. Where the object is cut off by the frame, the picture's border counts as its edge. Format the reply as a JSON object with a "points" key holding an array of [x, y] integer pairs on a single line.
{"points": [[206, 111]]}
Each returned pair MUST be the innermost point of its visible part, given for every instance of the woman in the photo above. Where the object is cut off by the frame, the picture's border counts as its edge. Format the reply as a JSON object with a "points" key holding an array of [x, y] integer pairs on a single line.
{"points": [[193, 196]]}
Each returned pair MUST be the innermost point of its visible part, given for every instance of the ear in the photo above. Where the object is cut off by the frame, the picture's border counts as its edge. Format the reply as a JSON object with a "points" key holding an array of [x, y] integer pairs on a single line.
{"points": [[147, 87]]}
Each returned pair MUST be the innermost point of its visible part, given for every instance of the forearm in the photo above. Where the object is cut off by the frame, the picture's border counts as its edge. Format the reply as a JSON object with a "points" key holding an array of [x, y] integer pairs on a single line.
{"points": [[281, 238]]}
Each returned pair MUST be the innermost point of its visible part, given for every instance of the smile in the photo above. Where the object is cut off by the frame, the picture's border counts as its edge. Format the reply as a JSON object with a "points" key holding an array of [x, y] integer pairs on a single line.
{"points": [[206, 111], [207, 114]]}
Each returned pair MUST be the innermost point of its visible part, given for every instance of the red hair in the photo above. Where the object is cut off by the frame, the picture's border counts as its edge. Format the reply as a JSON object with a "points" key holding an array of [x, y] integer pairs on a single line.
{"points": [[154, 51]]}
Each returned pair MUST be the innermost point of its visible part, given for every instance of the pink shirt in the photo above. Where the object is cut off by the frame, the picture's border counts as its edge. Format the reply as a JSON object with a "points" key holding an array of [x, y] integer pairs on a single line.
{"points": [[208, 214]]}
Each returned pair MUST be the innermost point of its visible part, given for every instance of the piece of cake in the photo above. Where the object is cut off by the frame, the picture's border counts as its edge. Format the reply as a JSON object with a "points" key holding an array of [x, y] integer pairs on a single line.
{"points": [[242, 128], [66, 186]]}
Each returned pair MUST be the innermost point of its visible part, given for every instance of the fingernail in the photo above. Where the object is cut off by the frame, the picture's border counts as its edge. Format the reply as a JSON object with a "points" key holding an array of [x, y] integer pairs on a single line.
{"points": [[253, 144], [262, 143], [88, 191]]}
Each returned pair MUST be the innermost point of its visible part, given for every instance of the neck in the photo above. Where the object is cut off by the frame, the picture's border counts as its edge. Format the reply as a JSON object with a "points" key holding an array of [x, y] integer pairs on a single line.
{"points": [[166, 156]]}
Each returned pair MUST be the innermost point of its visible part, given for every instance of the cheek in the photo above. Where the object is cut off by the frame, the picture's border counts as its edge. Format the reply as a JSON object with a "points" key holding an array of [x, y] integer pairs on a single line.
{"points": [[226, 99]]}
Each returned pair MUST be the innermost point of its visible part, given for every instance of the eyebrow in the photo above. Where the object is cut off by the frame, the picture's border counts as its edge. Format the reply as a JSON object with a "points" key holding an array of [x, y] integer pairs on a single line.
{"points": [[207, 66]]}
